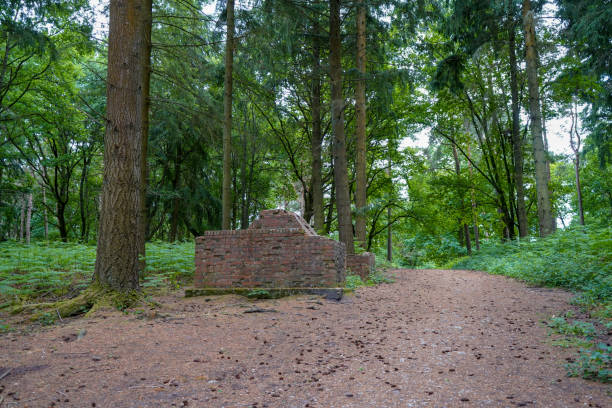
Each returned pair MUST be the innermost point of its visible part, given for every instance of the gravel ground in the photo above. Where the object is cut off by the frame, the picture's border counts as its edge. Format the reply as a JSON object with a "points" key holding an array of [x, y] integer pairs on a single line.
{"points": [[434, 338]]}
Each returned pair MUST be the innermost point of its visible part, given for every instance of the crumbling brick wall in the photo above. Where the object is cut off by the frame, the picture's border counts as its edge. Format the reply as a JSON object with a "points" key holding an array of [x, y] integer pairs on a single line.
{"points": [[278, 250], [361, 264]]}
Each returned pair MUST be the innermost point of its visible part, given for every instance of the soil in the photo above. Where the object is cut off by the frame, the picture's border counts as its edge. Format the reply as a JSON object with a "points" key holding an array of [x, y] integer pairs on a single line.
{"points": [[433, 338]]}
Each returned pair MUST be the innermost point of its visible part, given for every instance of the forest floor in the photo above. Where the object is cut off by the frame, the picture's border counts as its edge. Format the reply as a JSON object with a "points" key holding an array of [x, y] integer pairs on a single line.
{"points": [[433, 338]]}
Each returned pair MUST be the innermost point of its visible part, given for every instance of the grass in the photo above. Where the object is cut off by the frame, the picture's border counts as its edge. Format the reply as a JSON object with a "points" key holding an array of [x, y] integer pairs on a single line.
{"points": [[58, 270], [577, 259]]}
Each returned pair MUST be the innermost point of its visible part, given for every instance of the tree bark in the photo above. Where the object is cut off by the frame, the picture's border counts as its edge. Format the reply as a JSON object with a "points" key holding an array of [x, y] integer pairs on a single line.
{"points": [[82, 199], [343, 200], [121, 236], [517, 141], [575, 145], [28, 221], [226, 199], [389, 232], [46, 218], [473, 200], [545, 217], [360, 128], [61, 221], [316, 136], [145, 108], [22, 219], [464, 230]]}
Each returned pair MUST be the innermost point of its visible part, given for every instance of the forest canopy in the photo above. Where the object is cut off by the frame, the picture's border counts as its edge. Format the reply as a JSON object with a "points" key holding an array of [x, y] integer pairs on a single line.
{"points": [[415, 129]]}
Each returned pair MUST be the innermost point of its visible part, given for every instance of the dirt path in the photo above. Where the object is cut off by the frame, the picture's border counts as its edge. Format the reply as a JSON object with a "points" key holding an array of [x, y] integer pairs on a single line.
{"points": [[432, 339]]}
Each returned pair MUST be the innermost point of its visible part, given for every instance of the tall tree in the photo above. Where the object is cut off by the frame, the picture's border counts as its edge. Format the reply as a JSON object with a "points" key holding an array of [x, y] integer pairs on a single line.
{"points": [[227, 119], [343, 201], [575, 141], [517, 140], [121, 236], [360, 128], [545, 215], [316, 134]]}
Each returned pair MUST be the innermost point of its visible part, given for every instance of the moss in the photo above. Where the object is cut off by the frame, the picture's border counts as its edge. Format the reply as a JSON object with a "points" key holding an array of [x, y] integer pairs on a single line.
{"points": [[90, 300]]}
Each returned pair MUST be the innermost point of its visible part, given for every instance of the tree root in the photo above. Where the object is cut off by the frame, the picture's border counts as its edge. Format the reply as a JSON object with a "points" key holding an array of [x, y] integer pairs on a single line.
{"points": [[89, 301]]}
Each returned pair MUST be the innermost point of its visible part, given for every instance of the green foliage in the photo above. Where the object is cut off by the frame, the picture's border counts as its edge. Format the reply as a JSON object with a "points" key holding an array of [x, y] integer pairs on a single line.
{"points": [[593, 364], [353, 282], [377, 277], [428, 251], [577, 259], [63, 269], [577, 328]]}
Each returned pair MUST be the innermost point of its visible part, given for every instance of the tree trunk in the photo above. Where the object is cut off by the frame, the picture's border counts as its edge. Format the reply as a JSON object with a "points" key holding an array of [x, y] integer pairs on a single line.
{"points": [[474, 212], [545, 217], [360, 128], [343, 200], [61, 221], [517, 141], [46, 218], [22, 219], [389, 232], [243, 178], [226, 200], [28, 221], [332, 203], [316, 136], [578, 188], [82, 200], [464, 231], [575, 145], [144, 112], [121, 236]]}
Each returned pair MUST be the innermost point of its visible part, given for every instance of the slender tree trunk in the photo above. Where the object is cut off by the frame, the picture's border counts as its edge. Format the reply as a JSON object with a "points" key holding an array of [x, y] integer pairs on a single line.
{"points": [[82, 200], [121, 233], [389, 232], [316, 136], [464, 230], [22, 219], [332, 203], [28, 221], [360, 128], [61, 221], [575, 145], [545, 217], [517, 141], [243, 177], [578, 188], [343, 200], [473, 200], [226, 200], [45, 216]]}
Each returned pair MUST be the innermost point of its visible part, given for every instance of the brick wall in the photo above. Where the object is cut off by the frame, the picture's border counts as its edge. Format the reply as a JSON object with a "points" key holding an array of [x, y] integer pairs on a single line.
{"points": [[361, 264], [278, 250]]}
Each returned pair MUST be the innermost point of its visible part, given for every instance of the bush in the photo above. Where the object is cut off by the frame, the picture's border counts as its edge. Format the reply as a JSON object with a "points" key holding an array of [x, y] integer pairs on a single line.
{"points": [[577, 259]]}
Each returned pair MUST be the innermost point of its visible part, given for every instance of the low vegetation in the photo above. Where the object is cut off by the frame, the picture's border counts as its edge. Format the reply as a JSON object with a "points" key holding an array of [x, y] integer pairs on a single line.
{"points": [[578, 259], [56, 271]]}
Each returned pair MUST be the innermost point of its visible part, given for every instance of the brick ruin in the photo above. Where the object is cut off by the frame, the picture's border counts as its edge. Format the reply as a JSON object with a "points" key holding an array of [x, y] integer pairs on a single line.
{"points": [[361, 264], [279, 250]]}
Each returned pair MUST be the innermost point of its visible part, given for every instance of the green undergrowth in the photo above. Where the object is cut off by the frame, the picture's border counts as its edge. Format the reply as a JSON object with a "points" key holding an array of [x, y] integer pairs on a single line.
{"points": [[578, 259], [375, 278], [56, 271]]}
